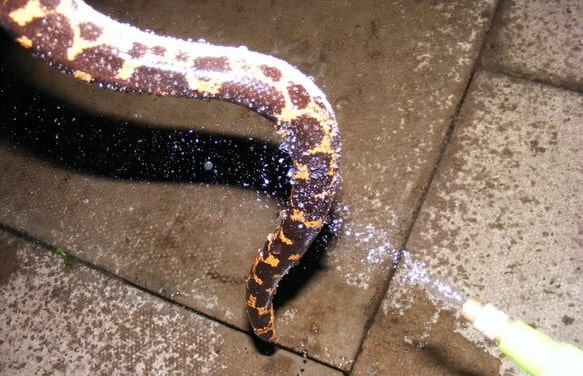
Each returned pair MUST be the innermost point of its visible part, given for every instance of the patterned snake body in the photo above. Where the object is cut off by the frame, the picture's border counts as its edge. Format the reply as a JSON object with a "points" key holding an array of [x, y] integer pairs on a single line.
{"points": [[95, 48]]}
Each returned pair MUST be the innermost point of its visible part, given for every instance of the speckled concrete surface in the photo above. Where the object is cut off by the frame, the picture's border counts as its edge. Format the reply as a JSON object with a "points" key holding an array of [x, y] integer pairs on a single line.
{"points": [[74, 320], [397, 75], [539, 40]]}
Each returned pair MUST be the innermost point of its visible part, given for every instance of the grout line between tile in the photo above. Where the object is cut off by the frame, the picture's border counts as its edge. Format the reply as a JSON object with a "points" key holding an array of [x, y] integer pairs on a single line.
{"points": [[417, 210], [515, 75]]}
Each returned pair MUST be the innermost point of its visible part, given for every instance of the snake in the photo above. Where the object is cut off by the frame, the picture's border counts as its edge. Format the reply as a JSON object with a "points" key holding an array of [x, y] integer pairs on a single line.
{"points": [[92, 47]]}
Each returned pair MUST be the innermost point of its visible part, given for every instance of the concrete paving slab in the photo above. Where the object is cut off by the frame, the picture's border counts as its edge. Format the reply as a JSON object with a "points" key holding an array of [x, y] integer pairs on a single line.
{"points": [[410, 336], [502, 221], [395, 72], [75, 320], [539, 40]]}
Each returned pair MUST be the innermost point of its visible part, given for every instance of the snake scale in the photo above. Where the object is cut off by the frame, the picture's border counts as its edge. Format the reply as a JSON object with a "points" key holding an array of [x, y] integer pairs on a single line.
{"points": [[92, 47]]}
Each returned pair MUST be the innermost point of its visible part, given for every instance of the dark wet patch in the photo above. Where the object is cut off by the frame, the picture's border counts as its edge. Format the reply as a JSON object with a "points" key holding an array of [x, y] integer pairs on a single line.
{"points": [[36, 123], [8, 260]]}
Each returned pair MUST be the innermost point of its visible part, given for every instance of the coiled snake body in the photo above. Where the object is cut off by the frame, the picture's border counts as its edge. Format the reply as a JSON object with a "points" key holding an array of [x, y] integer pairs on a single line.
{"points": [[95, 48]]}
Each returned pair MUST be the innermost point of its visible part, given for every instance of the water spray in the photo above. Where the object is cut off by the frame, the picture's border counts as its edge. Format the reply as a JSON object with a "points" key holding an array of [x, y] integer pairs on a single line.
{"points": [[532, 350]]}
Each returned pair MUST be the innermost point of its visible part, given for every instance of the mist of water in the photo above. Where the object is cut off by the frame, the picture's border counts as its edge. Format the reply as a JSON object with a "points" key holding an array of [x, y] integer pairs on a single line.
{"points": [[437, 288]]}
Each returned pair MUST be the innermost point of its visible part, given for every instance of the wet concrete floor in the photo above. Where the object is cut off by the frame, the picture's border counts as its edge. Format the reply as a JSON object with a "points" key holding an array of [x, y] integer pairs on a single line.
{"points": [[461, 126]]}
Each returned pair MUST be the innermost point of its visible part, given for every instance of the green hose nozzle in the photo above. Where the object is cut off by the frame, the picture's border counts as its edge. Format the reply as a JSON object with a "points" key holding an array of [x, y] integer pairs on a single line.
{"points": [[532, 350]]}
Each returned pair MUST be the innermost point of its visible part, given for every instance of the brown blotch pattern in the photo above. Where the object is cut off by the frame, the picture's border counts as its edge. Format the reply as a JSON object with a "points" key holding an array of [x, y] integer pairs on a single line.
{"points": [[138, 50], [99, 61], [308, 132], [47, 3], [264, 99], [220, 64], [158, 81], [57, 39], [90, 31], [298, 95], [271, 72], [158, 50]]}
